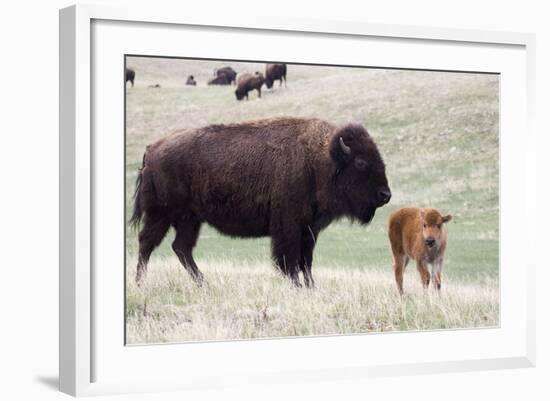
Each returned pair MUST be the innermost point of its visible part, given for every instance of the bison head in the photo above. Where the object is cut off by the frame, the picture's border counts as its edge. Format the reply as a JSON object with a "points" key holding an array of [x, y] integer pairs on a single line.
{"points": [[360, 178], [240, 94], [432, 224], [268, 82]]}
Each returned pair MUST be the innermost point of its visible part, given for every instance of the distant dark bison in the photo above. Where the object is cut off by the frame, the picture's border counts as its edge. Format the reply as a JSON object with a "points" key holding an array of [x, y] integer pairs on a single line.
{"points": [[221, 80], [130, 75], [248, 82], [286, 178], [191, 81], [274, 72], [224, 76]]}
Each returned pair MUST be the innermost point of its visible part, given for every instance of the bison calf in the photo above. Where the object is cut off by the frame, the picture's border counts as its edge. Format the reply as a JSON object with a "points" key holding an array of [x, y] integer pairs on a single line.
{"points": [[191, 81], [418, 234]]}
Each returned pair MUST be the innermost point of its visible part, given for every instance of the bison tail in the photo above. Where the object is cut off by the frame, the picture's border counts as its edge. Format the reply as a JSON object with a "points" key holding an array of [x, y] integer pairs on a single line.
{"points": [[138, 201]]}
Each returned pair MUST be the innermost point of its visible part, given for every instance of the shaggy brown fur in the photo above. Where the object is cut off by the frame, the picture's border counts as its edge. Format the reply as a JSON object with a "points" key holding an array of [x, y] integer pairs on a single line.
{"points": [[248, 82], [227, 72], [221, 80], [287, 178], [130, 75], [421, 235], [274, 72]]}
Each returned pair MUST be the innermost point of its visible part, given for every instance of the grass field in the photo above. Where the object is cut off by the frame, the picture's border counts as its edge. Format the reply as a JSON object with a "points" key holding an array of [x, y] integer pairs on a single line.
{"points": [[438, 134]]}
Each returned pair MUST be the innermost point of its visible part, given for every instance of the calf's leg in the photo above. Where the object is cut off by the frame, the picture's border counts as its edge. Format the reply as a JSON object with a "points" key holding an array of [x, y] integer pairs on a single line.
{"points": [[400, 260], [437, 268], [424, 273], [399, 264]]}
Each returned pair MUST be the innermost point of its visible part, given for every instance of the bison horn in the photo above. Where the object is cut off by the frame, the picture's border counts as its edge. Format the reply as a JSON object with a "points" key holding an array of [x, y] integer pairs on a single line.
{"points": [[345, 148]]}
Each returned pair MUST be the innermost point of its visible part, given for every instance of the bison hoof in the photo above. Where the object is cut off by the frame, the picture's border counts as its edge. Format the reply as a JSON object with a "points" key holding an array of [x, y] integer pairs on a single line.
{"points": [[297, 283]]}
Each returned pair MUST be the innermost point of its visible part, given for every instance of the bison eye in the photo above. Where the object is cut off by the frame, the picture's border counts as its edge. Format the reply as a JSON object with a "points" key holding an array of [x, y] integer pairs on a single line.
{"points": [[425, 225], [360, 164]]}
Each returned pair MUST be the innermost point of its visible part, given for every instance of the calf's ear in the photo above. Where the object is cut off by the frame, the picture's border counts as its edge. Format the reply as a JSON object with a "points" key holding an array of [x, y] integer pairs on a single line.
{"points": [[447, 218]]}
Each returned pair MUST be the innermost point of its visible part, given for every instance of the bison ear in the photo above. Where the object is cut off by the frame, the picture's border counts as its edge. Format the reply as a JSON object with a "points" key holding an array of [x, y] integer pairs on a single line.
{"points": [[339, 150], [447, 218]]}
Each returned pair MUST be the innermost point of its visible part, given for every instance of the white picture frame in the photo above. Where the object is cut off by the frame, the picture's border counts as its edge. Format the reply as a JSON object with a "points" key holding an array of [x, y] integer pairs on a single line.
{"points": [[86, 346]]}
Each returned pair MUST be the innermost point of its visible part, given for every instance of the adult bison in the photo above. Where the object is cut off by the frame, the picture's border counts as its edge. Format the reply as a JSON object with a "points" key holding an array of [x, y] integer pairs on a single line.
{"points": [[221, 80], [227, 74], [130, 75], [248, 82], [286, 178], [274, 72]]}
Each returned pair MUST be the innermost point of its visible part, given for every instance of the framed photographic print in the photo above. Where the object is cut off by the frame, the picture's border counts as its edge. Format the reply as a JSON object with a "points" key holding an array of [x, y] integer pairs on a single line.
{"points": [[339, 201]]}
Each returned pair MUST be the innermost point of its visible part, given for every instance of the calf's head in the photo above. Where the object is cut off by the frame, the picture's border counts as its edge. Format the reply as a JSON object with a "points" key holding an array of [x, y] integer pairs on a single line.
{"points": [[361, 183], [432, 225]]}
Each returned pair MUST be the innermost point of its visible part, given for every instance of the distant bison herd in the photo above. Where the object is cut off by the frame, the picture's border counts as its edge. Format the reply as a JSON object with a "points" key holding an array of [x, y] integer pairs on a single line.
{"points": [[245, 82], [285, 178]]}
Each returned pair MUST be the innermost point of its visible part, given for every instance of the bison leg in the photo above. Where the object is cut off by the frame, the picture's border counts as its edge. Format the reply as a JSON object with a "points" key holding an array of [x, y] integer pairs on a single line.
{"points": [[437, 267], [424, 273], [399, 263], [309, 238], [154, 229], [187, 232], [286, 248], [260, 92]]}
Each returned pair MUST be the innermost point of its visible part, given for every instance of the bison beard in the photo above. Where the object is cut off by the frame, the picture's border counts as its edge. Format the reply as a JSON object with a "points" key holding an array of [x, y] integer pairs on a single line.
{"points": [[287, 178]]}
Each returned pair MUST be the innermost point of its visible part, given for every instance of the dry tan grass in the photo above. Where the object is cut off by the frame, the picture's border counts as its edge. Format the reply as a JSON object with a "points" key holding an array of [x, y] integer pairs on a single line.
{"points": [[251, 300]]}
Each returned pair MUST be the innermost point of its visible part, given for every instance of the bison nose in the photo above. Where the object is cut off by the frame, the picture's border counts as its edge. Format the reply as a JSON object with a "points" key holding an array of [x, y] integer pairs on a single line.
{"points": [[384, 196], [430, 242]]}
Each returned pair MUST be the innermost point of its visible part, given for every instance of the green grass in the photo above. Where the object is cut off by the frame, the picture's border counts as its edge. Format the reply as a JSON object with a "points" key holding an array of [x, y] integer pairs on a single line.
{"points": [[437, 132]]}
